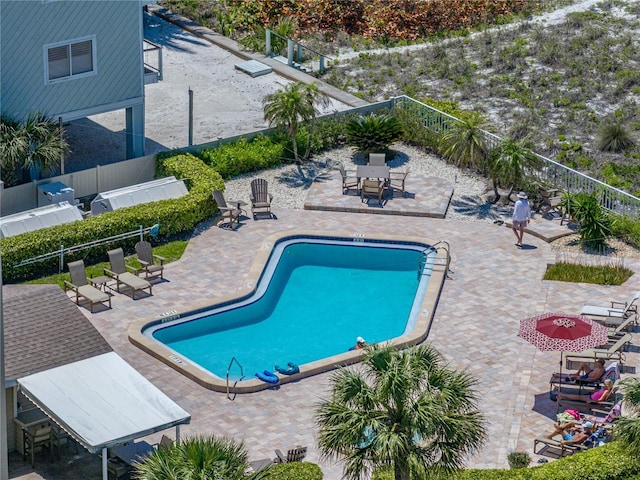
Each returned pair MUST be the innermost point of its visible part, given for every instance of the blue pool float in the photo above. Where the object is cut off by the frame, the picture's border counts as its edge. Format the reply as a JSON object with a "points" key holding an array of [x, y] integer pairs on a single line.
{"points": [[290, 370], [267, 376]]}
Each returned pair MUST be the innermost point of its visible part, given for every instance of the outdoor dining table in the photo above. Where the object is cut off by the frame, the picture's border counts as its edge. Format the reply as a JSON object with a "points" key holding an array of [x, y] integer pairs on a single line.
{"points": [[367, 171], [133, 452]]}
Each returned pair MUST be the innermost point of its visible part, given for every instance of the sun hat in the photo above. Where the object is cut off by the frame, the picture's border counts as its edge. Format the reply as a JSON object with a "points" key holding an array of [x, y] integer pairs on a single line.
{"points": [[360, 340], [522, 195], [587, 425]]}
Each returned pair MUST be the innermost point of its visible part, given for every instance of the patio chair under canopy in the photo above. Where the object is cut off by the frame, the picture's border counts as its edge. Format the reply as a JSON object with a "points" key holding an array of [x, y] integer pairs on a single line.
{"points": [[559, 332]]}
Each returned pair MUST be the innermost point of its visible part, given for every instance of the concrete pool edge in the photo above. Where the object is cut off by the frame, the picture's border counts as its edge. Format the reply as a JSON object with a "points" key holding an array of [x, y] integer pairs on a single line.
{"points": [[201, 377]]}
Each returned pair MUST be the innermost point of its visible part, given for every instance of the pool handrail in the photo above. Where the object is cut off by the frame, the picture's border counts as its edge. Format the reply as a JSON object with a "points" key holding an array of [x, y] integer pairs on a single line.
{"points": [[234, 359]]}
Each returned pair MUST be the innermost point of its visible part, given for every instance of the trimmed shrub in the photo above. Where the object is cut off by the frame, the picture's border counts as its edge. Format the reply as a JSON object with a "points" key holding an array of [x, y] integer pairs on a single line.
{"points": [[518, 460], [175, 216], [243, 156], [609, 462], [295, 471]]}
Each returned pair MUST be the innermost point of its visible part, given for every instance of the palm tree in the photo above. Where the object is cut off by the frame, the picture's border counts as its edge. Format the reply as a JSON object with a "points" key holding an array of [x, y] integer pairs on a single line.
{"points": [[627, 428], [464, 143], [198, 458], [37, 144], [294, 103], [511, 162], [46, 145], [404, 409]]}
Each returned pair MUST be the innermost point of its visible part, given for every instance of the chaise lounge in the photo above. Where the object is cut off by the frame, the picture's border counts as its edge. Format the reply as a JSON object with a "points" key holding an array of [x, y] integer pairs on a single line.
{"points": [[123, 277], [80, 286]]}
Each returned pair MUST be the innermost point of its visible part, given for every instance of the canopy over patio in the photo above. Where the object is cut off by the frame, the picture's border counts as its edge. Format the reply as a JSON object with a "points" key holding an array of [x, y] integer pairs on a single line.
{"points": [[102, 402]]}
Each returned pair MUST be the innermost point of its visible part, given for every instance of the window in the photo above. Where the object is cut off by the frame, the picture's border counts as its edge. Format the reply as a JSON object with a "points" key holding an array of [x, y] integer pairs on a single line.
{"points": [[70, 59]]}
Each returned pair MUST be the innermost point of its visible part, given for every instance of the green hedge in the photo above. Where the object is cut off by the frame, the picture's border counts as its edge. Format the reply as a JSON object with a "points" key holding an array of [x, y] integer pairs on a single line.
{"points": [[295, 471], [175, 216], [609, 462]]}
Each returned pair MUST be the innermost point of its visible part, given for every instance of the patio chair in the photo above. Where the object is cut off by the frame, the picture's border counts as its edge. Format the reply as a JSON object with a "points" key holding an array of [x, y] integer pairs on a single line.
{"points": [[614, 351], [226, 212], [349, 180], [616, 310], [123, 277], [148, 260], [555, 447], [296, 454], [39, 438], [165, 443], [81, 287], [397, 179], [377, 159], [550, 201], [372, 188], [260, 197]]}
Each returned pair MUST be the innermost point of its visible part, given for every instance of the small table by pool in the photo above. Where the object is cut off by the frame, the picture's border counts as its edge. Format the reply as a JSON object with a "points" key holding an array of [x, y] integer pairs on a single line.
{"points": [[380, 172], [238, 204], [100, 282], [133, 452]]}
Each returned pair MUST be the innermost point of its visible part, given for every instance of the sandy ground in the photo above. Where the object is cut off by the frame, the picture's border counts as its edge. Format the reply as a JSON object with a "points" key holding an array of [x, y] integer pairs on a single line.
{"points": [[226, 102]]}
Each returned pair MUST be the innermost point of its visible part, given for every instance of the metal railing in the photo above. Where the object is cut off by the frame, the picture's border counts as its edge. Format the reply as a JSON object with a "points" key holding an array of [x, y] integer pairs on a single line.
{"points": [[552, 173], [62, 251], [295, 52], [233, 360], [152, 58]]}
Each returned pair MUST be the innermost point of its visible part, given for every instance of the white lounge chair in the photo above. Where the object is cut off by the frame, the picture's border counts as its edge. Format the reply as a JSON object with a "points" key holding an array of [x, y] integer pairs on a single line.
{"points": [[616, 310]]}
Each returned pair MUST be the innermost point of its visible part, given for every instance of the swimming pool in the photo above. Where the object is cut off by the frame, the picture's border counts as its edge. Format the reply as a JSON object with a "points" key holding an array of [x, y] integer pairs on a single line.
{"points": [[314, 296]]}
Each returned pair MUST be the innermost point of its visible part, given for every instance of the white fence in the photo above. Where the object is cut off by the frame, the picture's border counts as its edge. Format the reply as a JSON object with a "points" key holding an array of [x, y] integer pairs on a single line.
{"points": [[85, 183]]}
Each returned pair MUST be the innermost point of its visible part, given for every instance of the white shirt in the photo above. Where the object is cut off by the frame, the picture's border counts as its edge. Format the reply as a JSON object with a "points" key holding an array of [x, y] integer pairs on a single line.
{"points": [[521, 211]]}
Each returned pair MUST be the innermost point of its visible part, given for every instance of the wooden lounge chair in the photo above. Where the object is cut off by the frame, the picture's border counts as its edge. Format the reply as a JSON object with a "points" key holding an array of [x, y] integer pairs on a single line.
{"points": [[226, 212], [123, 277], [80, 286], [349, 179], [397, 179], [40, 438], [372, 188], [148, 260], [260, 197], [615, 310], [613, 352], [554, 447], [296, 454], [550, 201], [377, 159]]}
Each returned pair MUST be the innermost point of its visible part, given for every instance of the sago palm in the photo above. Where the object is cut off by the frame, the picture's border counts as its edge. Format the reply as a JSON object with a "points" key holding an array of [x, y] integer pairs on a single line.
{"points": [[293, 104], [403, 409]]}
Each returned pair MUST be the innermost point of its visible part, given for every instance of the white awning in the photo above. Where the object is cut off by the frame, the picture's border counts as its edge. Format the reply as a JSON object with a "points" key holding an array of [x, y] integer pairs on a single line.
{"points": [[102, 401]]}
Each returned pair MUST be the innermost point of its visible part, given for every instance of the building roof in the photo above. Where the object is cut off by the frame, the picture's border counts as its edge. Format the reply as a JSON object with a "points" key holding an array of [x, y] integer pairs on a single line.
{"points": [[43, 329]]}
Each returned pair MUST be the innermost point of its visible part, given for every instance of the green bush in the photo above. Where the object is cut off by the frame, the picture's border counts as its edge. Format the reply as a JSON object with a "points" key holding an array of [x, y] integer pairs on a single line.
{"points": [[295, 471], [375, 132], [614, 274], [609, 462], [614, 138], [243, 156], [175, 216], [627, 229], [518, 460], [595, 223]]}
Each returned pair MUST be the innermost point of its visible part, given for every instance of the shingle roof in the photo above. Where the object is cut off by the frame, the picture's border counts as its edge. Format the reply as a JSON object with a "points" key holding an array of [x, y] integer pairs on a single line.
{"points": [[44, 329]]}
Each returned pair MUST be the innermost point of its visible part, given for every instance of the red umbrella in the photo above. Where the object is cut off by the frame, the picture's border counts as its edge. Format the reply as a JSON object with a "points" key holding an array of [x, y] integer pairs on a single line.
{"points": [[563, 333]]}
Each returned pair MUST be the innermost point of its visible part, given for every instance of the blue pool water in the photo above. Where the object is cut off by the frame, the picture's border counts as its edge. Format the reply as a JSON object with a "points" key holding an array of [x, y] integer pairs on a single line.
{"points": [[312, 301]]}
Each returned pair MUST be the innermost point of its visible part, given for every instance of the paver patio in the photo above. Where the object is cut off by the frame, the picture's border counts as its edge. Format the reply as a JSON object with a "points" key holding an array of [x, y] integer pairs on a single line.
{"points": [[491, 287]]}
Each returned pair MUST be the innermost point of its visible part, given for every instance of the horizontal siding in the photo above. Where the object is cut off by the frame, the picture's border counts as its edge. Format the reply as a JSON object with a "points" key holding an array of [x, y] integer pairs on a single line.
{"points": [[26, 26]]}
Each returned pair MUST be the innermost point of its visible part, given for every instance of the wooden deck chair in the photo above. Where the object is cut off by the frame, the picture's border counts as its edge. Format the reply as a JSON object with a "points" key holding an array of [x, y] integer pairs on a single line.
{"points": [[148, 260], [165, 443], [260, 197], [81, 287], [616, 309], [349, 179], [377, 159], [232, 215], [296, 454], [397, 179], [119, 272]]}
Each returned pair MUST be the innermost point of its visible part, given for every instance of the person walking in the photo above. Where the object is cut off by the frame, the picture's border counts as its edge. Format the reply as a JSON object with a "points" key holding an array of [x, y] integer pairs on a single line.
{"points": [[521, 217]]}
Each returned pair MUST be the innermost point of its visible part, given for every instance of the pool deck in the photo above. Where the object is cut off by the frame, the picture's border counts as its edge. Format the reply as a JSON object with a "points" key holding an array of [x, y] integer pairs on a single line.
{"points": [[492, 285]]}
